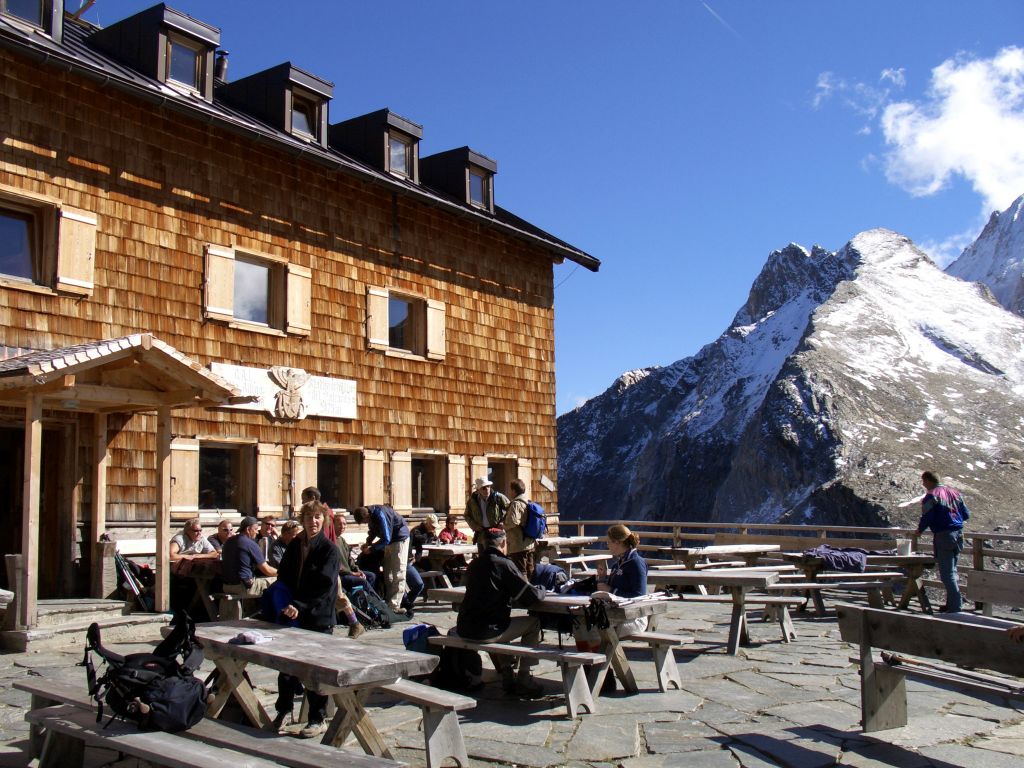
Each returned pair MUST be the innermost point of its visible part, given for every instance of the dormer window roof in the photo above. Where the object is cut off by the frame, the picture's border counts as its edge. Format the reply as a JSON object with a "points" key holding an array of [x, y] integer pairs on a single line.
{"points": [[166, 45], [464, 174], [45, 15], [286, 97], [383, 140]]}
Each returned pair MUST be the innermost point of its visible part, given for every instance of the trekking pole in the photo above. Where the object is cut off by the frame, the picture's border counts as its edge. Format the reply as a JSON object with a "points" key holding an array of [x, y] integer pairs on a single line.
{"points": [[896, 660]]}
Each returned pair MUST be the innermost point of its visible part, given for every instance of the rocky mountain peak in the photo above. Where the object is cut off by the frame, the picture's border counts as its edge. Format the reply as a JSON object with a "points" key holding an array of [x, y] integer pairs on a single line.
{"points": [[996, 258]]}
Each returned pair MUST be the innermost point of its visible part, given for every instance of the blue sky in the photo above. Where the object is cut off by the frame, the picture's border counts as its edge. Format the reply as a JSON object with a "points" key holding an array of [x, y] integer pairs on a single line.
{"points": [[678, 141]]}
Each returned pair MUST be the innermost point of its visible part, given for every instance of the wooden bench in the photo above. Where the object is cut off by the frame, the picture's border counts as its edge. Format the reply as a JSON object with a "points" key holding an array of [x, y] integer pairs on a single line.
{"points": [[574, 680], [874, 590], [231, 607], [433, 580], [995, 588], [441, 730], [290, 752], [960, 639], [774, 607], [661, 645], [581, 560]]}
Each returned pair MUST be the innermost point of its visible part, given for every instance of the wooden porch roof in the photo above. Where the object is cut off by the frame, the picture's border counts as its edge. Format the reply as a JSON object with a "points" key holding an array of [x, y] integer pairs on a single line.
{"points": [[132, 373]]}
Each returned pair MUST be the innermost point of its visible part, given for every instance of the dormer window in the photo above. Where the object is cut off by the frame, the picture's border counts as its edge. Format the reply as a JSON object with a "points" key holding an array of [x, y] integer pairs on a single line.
{"points": [[399, 154], [185, 63], [32, 11], [479, 188], [305, 115]]}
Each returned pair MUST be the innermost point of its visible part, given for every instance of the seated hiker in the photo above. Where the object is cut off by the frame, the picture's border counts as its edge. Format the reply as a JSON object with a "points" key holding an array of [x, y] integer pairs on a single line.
{"points": [[245, 570], [351, 577], [267, 535], [415, 587], [451, 534], [493, 584], [225, 530], [190, 544], [423, 534], [289, 531], [309, 569]]}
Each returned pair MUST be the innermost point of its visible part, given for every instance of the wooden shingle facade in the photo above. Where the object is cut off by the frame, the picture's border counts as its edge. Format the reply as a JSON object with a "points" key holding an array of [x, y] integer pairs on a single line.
{"points": [[400, 339]]}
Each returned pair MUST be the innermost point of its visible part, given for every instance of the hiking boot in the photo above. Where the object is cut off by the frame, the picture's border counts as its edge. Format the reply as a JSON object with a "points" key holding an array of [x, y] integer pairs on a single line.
{"points": [[313, 729], [278, 725], [356, 630], [508, 680]]}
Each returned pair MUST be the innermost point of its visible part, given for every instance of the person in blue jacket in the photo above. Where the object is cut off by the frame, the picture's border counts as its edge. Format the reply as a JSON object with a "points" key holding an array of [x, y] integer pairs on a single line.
{"points": [[943, 510], [388, 531]]}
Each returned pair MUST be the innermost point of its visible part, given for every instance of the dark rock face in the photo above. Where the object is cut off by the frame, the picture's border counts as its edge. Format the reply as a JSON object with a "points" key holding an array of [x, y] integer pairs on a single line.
{"points": [[842, 377]]}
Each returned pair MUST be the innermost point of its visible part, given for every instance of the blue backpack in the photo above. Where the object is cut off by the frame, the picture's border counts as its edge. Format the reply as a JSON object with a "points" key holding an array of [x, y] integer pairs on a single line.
{"points": [[536, 523]]}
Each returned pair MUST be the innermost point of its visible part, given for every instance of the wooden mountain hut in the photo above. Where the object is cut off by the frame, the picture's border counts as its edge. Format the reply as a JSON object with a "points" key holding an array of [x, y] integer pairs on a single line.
{"points": [[211, 297]]}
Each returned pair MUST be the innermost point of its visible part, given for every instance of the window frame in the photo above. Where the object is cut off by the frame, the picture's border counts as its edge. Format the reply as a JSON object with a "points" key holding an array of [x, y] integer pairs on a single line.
{"points": [[300, 95], [202, 53], [350, 476], [435, 464], [487, 187], [277, 290], [37, 251], [378, 326], [416, 318], [247, 463], [394, 137], [45, 15]]}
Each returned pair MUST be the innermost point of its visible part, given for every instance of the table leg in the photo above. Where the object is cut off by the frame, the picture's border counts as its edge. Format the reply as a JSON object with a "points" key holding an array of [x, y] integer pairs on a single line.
{"points": [[915, 575], [618, 662], [689, 563], [353, 718], [738, 624], [232, 681]]}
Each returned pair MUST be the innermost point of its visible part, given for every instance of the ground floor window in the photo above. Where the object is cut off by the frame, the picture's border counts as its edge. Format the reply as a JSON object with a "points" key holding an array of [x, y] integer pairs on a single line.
{"points": [[429, 483], [502, 472], [226, 477]]}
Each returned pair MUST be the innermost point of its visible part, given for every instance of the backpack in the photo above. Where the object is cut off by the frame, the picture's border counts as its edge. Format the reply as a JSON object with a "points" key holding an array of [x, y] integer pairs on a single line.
{"points": [[371, 610], [536, 523], [173, 698], [416, 637], [458, 670]]}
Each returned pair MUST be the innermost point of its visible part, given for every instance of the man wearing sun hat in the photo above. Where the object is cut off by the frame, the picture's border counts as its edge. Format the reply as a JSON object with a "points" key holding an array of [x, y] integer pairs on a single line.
{"points": [[485, 509]]}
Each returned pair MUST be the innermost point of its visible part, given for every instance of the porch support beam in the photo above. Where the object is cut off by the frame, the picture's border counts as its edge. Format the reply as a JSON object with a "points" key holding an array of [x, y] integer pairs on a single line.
{"points": [[101, 459], [29, 586], [163, 509]]}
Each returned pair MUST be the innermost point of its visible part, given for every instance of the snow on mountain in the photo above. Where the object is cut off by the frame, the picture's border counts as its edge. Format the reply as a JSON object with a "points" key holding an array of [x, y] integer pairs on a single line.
{"points": [[996, 258], [841, 378]]}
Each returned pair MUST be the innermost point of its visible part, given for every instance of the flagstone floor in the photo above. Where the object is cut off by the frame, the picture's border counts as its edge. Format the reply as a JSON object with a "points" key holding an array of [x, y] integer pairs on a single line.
{"points": [[776, 704]]}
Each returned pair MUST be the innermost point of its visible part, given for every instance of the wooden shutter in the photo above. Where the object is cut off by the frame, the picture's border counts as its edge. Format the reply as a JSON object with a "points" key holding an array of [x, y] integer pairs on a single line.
{"points": [[76, 251], [303, 471], [219, 284], [377, 336], [524, 471], [478, 468], [373, 477], [457, 482], [269, 476], [300, 282], [435, 329], [184, 478], [401, 482]]}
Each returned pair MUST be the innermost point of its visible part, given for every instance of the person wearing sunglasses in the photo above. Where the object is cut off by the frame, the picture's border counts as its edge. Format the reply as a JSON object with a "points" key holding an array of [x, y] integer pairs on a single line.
{"points": [[190, 544], [225, 530]]}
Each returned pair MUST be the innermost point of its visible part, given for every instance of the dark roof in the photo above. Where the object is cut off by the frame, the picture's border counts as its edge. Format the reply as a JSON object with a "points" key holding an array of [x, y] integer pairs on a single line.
{"points": [[76, 55]]}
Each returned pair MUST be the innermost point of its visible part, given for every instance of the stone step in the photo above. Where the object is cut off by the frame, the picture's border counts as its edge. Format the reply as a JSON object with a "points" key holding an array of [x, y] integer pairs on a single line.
{"points": [[135, 628], [54, 613]]}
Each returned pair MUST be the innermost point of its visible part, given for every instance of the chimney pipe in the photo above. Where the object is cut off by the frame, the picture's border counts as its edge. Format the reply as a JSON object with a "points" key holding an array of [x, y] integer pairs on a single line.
{"points": [[220, 66]]}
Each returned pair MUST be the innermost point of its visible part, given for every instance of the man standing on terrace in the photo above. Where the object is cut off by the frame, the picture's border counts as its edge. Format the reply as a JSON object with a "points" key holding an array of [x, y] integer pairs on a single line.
{"points": [[388, 531], [943, 510]]}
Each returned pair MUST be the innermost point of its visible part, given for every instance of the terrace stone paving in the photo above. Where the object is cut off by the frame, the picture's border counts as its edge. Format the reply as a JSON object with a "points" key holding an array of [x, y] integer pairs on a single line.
{"points": [[795, 705]]}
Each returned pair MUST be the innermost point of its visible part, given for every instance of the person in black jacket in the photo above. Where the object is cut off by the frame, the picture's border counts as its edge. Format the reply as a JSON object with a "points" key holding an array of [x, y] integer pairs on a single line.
{"points": [[309, 569], [493, 584]]}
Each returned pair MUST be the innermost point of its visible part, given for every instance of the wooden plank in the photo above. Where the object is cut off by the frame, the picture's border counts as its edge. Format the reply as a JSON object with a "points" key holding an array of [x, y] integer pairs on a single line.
{"points": [[269, 479], [28, 586], [101, 459], [163, 510], [959, 640], [997, 587], [401, 482], [76, 251]]}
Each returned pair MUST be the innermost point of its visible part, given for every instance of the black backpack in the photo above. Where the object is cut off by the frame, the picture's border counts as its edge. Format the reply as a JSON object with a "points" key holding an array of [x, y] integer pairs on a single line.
{"points": [[371, 610], [459, 669], [153, 690]]}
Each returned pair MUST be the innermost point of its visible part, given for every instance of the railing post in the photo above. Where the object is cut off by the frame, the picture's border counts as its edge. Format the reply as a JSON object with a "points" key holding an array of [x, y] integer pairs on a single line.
{"points": [[978, 553]]}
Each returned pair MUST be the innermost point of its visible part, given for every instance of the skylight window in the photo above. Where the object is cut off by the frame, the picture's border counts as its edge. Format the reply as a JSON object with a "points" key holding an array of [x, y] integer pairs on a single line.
{"points": [[185, 63], [32, 11], [399, 155], [305, 116]]}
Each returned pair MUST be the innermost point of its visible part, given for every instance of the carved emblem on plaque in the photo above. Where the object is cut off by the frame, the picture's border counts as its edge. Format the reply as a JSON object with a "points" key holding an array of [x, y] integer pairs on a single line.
{"points": [[288, 402]]}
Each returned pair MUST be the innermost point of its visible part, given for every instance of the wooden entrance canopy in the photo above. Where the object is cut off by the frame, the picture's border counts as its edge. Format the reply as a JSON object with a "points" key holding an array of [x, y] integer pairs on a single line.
{"points": [[127, 375]]}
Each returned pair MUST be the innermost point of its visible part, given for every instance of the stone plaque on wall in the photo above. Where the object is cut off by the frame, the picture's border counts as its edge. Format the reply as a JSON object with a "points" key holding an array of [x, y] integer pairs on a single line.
{"points": [[290, 393]]}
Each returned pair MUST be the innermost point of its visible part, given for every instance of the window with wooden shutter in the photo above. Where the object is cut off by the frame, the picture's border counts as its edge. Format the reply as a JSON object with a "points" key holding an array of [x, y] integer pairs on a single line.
{"points": [[478, 469], [269, 479], [76, 251], [457, 494], [373, 477], [524, 470], [184, 478], [377, 318], [304, 458], [401, 482], [219, 285], [299, 314], [435, 329]]}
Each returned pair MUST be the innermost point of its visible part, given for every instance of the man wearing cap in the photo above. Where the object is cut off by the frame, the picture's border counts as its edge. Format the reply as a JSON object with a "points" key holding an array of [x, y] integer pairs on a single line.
{"points": [[388, 531], [493, 584], [485, 509], [244, 567]]}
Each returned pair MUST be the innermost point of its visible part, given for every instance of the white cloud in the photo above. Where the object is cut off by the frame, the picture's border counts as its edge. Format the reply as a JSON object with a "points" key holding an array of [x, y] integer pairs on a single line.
{"points": [[971, 123], [945, 251], [864, 99], [898, 77]]}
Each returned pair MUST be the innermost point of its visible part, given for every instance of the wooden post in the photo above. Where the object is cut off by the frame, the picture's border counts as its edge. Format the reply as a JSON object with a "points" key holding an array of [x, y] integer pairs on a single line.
{"points": [[978, 551], [163, 509], [101, 458], [883, 691], [28, 584]]}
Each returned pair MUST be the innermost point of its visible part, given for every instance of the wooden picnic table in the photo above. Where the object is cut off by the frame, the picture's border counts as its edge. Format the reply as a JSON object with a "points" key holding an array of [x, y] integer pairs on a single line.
{"points": [[618, 613], [913, 566], [439, 554], [574, 544], [344, 669], [738, 584], [692, 557]]}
